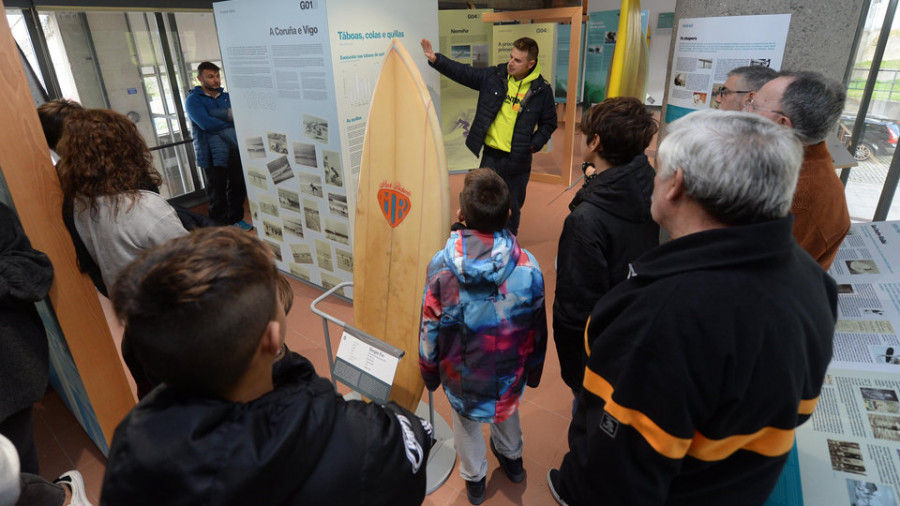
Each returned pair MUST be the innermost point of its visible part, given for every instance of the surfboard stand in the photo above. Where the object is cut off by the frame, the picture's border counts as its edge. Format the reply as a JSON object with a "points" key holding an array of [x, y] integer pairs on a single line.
{"points": [[443, 454]]}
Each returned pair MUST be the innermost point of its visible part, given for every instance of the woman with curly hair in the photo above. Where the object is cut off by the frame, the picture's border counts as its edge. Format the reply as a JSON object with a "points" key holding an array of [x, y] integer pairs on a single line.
{"points": [[111, 204], [108, 180]]}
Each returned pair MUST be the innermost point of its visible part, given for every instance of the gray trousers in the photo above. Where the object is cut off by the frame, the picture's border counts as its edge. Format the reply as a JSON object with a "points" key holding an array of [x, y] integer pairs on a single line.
{"points": [[469, 442]]}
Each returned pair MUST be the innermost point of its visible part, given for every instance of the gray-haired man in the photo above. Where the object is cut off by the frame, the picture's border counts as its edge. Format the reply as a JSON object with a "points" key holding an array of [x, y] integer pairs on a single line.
{"points": [[704, 361], [811, 104]]}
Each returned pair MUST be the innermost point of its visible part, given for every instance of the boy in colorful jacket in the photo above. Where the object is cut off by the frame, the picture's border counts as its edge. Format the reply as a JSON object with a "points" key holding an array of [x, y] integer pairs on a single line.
{"points": [[484, 329]]}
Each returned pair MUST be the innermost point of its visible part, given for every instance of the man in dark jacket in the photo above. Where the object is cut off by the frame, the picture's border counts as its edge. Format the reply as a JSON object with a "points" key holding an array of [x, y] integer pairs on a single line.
{"points": [[215, 146], [515, 116], [705, 360], [610, 224], [239, 420]]}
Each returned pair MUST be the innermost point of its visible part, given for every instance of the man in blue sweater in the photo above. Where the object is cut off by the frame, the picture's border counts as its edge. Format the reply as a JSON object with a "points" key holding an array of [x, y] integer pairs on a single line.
{"points": [[215, 146]]}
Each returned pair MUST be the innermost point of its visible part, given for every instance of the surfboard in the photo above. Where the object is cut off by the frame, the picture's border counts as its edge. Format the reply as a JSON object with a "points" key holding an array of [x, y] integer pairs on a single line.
{"points": [[402, 214], [629, 67]]}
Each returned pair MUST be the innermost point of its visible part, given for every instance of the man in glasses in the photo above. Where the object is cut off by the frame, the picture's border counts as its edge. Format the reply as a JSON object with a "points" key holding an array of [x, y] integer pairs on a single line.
{"points": [[741, 83], [810, 104]]}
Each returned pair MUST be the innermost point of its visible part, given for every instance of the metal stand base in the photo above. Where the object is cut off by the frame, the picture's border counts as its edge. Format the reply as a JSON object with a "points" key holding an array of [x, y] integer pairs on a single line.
{"points": [[443, 454]]}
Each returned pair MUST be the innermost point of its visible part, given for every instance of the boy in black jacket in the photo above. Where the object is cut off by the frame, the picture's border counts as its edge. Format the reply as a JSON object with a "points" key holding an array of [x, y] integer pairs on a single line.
{"points": [[236, 421], [610, 224]]}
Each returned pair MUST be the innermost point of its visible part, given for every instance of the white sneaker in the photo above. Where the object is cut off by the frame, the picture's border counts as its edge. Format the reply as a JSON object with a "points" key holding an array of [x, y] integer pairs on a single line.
{"points": [[75, 482]]}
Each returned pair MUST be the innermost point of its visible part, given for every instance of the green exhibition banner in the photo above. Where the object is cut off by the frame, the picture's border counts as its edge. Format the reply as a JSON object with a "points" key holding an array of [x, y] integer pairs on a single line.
{"points": [[466, 39], [602, 29], [563, 41]]}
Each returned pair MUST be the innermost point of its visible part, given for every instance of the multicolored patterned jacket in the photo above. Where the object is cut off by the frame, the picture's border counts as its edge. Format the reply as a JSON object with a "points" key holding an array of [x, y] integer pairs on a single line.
{"points": [[484, 327]]}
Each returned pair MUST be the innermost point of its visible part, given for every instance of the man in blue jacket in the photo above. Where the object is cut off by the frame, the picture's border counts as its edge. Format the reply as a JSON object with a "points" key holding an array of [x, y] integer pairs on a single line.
{"points": [[514, 118], [215, 145]]}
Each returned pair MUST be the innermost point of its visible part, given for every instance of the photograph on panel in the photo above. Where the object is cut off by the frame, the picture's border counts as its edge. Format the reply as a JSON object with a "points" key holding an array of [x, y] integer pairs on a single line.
{"points": [[302, 253], [323, 255], [254, 210], [310, 184], [880, 399], [280, 169], [311, 215], [885, 427], [267, 205], [859, 266], [278, 142], [344, 260], [257, 178], [305, 154], [331, 164], [337, 205], [846, 456], [289, 200], [886, 354], [255, 147], [315, 128], [272, 229], [337, 231], [292, 226], [866, 493]]}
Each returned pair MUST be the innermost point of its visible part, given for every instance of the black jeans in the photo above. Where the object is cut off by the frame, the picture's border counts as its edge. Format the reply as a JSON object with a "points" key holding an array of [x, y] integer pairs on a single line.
{"points": [[226, 190], [19, 429], [516, 181]]}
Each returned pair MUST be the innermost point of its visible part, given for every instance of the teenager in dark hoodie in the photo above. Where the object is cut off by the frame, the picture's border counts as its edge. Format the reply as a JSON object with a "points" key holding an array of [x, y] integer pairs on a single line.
{"points": [[610, 224]]}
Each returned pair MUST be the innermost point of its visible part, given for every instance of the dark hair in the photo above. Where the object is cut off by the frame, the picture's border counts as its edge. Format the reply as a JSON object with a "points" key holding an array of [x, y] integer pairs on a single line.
{"points": [[102, 153], [753, 76], [484, 201], [52, 115], [196, 307], [527, 44], [285, 294], [814, 104], [624, 125], [207, 66]]}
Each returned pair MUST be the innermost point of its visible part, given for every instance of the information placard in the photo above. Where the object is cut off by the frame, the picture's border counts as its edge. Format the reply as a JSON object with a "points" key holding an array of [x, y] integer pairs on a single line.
{"points": [[366, 364]]}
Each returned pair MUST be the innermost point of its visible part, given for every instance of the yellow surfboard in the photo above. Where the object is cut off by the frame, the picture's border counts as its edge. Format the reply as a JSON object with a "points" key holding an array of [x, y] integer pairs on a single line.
{"points": [[402, 214], [629, 67]]}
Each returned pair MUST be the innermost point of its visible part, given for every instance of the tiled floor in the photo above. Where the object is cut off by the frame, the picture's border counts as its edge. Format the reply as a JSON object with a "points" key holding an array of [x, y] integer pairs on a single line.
{"points": [[545, 414]]}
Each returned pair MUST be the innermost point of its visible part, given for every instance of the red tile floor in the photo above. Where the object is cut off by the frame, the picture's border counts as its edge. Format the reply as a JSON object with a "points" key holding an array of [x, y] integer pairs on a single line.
{"points": [[545, 411]]}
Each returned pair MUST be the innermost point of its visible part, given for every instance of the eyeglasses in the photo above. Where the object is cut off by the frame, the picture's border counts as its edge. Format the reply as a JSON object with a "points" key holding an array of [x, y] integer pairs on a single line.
{"points": [[721, 92], [751, 105]]}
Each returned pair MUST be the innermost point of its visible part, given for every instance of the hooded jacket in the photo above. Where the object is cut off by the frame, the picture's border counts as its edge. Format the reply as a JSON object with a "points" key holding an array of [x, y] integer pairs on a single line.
{"points": [[484, 326], [701, 366], [213, 134], [609, 226], [535, 121], [25, 278], [296, 445]]}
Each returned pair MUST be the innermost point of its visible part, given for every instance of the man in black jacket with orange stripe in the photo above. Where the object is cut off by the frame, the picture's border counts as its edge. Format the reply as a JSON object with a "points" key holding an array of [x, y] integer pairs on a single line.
{"points": [[706, 359]]}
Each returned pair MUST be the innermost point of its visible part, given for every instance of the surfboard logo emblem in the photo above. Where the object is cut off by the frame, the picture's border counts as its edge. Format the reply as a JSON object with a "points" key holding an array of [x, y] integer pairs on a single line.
{"points": [[394, 203]]}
